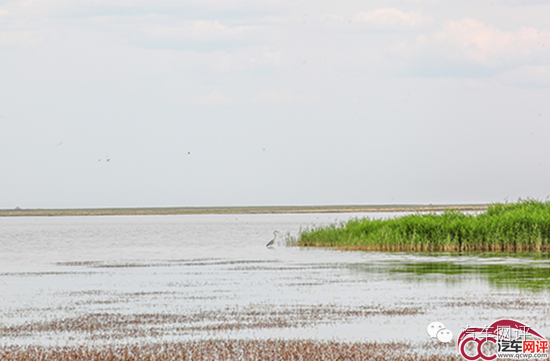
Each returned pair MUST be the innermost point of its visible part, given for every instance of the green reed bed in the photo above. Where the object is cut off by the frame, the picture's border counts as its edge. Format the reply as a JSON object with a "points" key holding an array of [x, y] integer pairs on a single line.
{"points": [[509, 227]]}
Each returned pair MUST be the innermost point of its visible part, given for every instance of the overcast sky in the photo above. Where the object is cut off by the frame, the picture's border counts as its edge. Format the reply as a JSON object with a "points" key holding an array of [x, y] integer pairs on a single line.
{"points": [[119, 103]]}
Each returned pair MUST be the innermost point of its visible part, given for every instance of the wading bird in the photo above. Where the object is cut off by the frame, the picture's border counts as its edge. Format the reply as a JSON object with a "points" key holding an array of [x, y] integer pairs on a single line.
{"points": [[272, 242]]}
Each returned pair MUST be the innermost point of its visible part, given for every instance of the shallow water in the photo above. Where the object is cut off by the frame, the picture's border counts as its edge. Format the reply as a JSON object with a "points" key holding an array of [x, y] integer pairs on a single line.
{"points": [[74, 280]]}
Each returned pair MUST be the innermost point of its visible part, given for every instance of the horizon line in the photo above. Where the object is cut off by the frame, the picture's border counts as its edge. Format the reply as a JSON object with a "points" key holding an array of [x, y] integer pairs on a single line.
{"points": [[349, 208]]}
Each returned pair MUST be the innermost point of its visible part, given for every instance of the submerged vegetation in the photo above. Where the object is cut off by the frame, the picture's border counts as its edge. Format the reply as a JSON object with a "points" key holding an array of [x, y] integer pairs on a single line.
{"points": [[241, 350], [530, 276], [508, 227]]}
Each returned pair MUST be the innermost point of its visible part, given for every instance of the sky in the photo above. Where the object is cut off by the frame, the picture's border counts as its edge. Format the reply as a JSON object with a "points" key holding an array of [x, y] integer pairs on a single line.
{"points": [[118, 103]]}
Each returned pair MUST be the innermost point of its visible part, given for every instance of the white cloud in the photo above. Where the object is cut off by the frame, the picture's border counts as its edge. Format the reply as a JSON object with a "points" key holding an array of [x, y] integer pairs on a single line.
{"points": [[332, 18], [245, 59], [214, 4], [469, 48], [86, 8], [483, 44], [18, 38], [199, 30], [214, 98], [266, 57], [390, 18], [156, 31], [277, 97], [527, 76]]}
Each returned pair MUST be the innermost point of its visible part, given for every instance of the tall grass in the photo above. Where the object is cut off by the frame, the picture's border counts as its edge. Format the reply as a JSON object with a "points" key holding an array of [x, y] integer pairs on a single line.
{"points": [[509, 227]]}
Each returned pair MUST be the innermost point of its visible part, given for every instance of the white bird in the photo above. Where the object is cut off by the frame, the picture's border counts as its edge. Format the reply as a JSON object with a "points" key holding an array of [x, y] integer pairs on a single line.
{"points": [[272, 242]]}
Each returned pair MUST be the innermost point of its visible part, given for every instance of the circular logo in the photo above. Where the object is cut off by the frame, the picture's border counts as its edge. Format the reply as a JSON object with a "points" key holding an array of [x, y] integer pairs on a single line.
{"points": [[480, 354]]}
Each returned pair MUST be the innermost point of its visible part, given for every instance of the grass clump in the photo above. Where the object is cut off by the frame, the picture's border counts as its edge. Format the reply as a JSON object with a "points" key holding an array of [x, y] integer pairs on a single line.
{"points": [[508, 227]]}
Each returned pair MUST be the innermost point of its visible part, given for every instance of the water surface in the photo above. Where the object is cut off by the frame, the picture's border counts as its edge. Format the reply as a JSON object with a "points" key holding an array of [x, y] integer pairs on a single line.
{"points": [[74, 280]]}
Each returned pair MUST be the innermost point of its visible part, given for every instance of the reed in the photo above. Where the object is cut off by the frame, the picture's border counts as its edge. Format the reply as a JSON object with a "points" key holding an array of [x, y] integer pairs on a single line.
{"points": [[503, 227]]}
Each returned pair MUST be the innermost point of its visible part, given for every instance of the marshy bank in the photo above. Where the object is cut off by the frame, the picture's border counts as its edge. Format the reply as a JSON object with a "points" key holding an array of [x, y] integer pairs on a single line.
{"points": [[509, 227], [157, 211], [242, 350]]}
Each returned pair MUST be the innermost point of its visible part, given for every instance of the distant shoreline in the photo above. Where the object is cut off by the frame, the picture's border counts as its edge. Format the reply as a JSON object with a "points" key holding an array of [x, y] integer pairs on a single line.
{"points": [[237, 210]]}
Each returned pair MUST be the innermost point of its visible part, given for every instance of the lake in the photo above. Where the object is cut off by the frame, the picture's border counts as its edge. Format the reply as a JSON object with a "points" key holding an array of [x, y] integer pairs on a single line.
{"points": [[122, 279]]}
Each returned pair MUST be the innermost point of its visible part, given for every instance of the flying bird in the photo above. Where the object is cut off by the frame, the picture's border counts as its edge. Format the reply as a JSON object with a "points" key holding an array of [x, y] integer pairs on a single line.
{"points": [[271, 243]]}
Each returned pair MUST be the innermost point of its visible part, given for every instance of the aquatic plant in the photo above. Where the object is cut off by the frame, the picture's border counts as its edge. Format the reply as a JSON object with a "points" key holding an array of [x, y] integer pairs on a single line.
{"points": [[530, 276], [508, 227], [242, 350]]}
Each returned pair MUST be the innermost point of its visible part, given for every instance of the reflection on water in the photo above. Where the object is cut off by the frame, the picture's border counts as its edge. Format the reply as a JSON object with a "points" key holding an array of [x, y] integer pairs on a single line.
{"points": [[529, 276], [76, 280]]}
